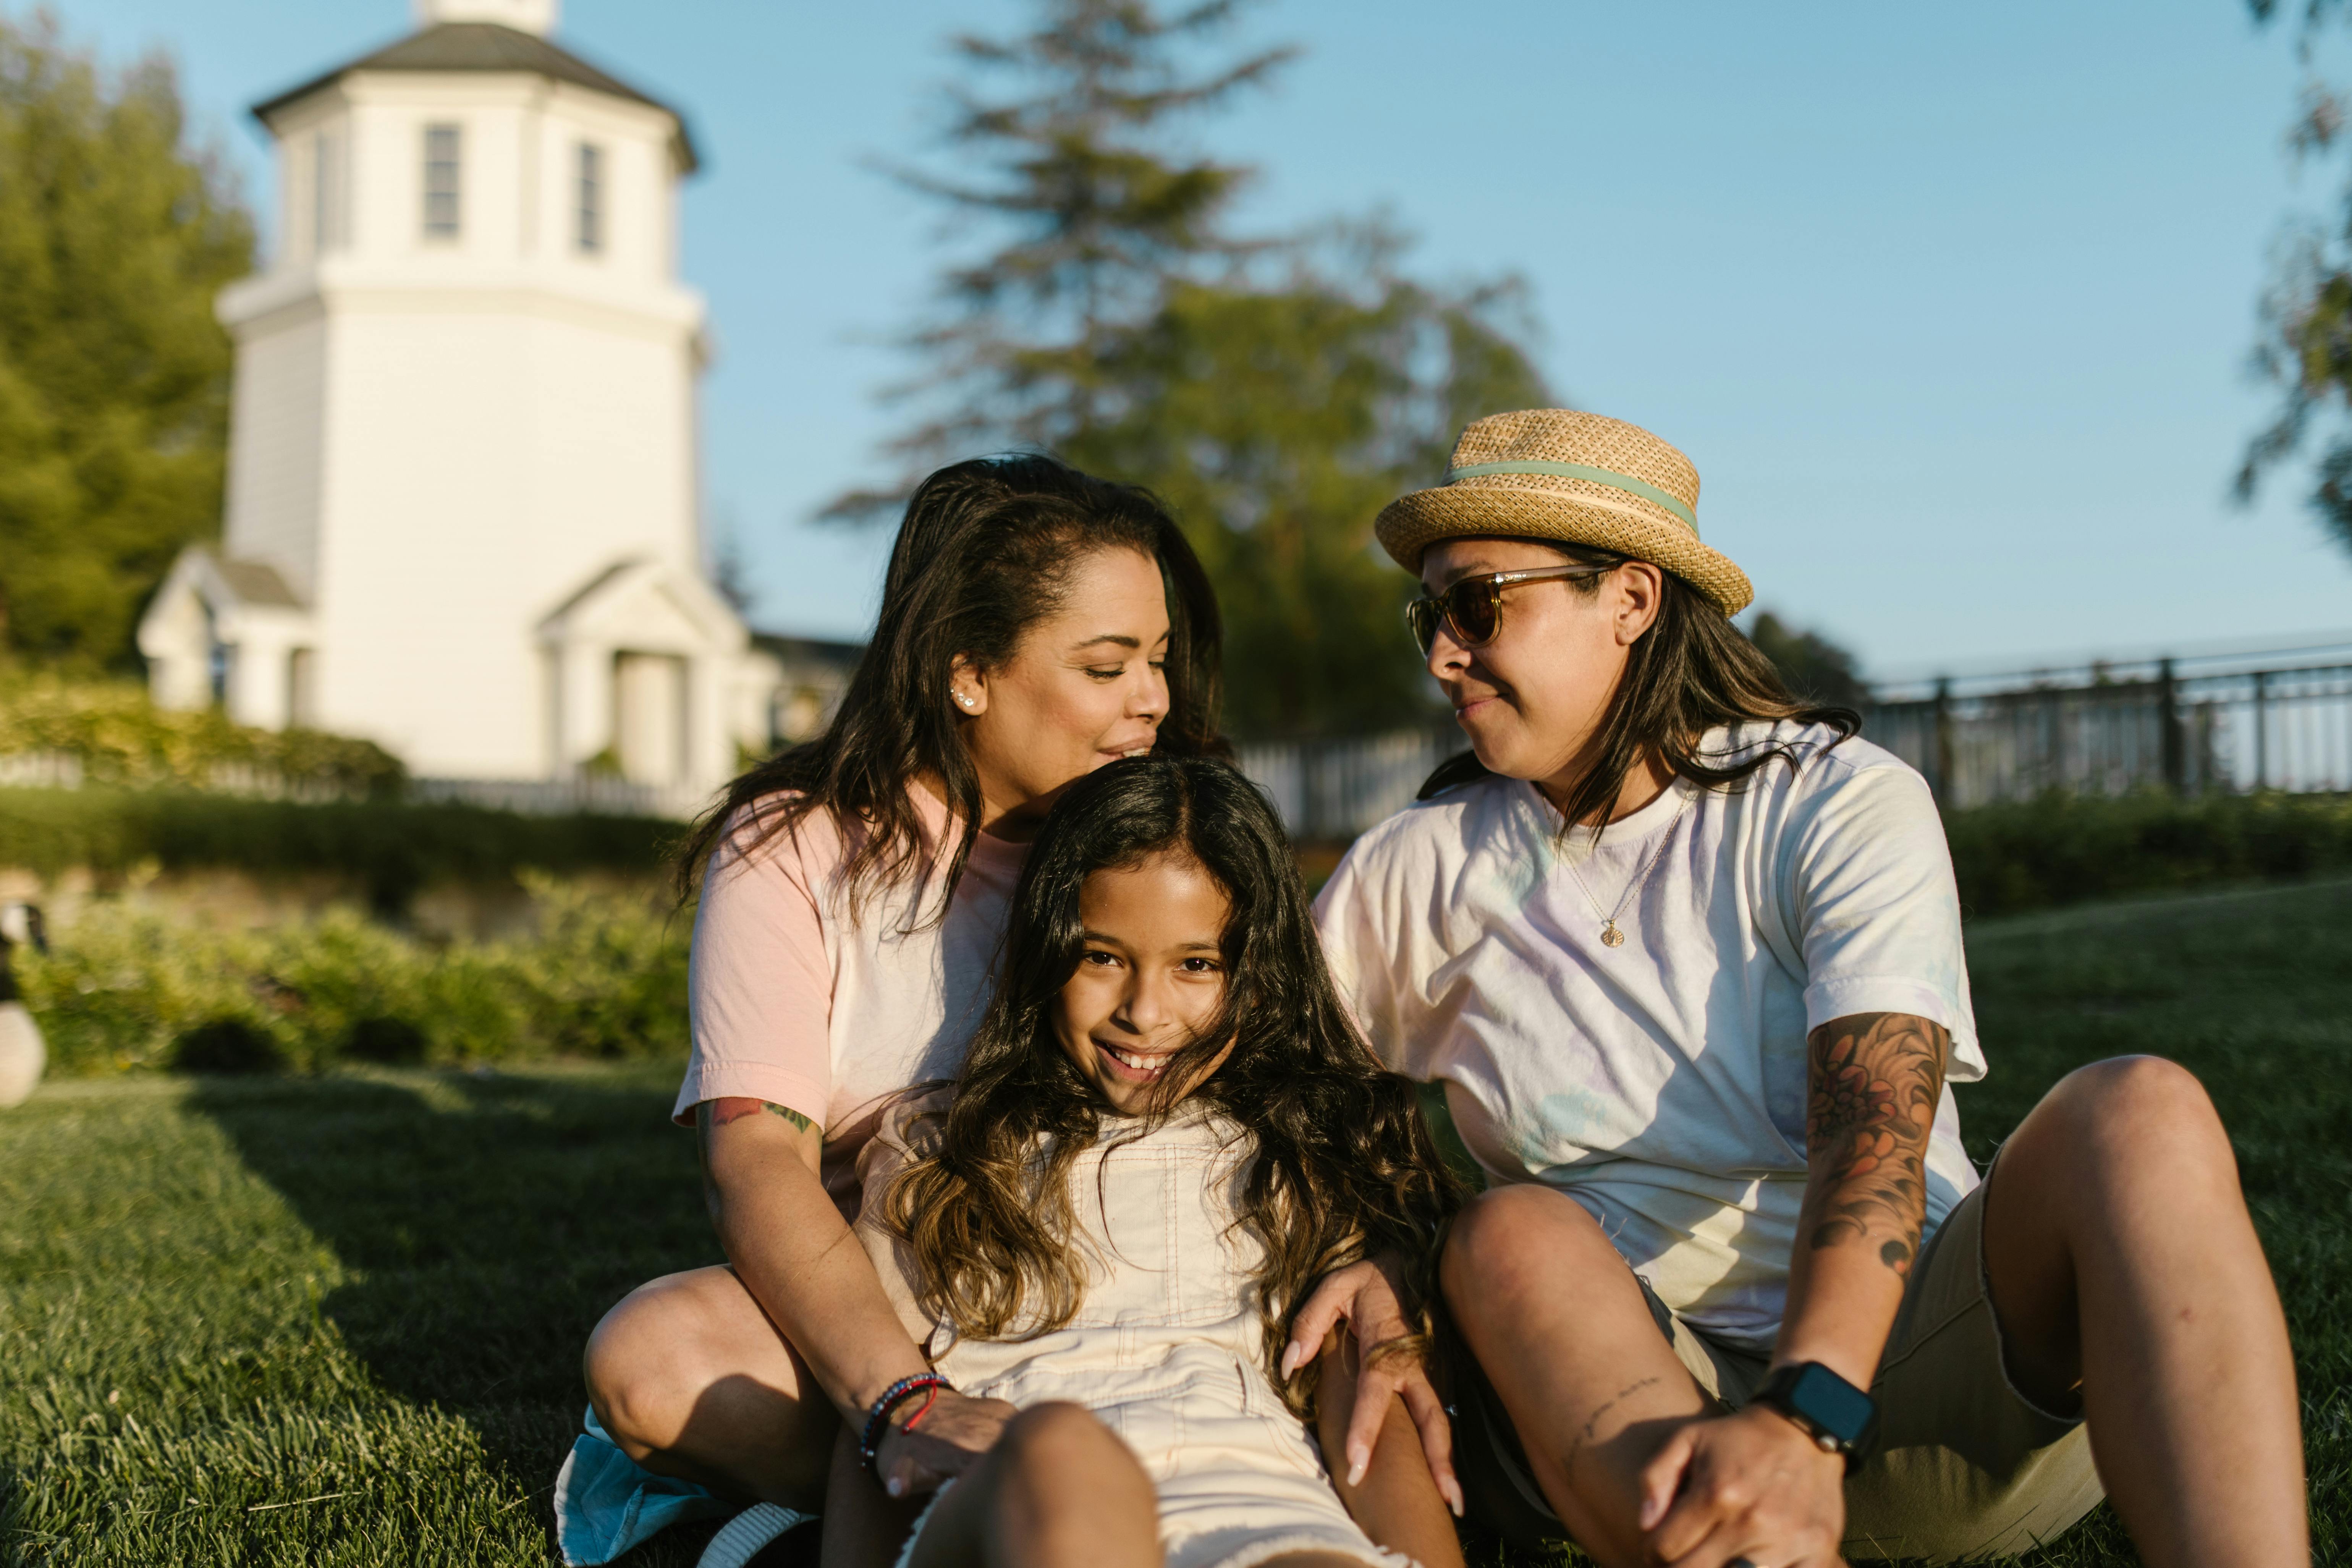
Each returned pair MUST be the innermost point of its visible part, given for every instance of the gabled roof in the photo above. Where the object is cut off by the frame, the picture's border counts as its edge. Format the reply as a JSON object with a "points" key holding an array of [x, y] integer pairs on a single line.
{"points": [[256, 582], [486, 46]]}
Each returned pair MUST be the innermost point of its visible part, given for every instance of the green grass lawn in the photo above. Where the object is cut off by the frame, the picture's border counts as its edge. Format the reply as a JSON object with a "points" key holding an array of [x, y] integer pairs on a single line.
{"points": [[338, 1319]]}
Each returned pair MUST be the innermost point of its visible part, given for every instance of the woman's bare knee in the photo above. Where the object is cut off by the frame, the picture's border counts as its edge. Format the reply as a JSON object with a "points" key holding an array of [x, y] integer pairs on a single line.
{"points": [[626, 1366], [650, 1359], [2140, 1119], [1504, 1237], [2150, 1090]]}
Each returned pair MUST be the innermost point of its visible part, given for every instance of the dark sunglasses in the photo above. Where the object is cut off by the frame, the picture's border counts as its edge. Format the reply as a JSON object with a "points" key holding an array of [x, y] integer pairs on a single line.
{"points": [[1472, 609]]}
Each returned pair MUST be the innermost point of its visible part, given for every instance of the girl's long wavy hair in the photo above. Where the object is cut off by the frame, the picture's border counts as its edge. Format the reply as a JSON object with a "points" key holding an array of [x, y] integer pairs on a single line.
{"points": [[986, 551], [1690, 672], [1338, 1163]]}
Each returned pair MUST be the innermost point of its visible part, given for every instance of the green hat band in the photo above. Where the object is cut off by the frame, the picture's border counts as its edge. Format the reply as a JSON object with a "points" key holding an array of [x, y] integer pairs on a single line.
{"points": [[1615, 481]]}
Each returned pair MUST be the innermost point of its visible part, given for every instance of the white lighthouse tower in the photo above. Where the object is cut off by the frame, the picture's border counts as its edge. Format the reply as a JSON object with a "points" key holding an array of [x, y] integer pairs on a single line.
{"points": [[462, 513]]}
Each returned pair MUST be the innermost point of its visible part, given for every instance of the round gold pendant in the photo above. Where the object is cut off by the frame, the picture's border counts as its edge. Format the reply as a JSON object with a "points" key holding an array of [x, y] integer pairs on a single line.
{"points": [[1612, 935]]}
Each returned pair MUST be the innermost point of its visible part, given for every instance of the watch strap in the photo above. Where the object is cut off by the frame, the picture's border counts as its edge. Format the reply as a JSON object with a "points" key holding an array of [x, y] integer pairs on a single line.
{"points": [[1836, 1414]]}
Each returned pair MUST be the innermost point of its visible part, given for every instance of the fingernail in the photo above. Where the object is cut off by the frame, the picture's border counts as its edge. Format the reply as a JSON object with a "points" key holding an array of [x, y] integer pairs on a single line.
{"points": [[1289, 1359], [1356, 1469], [1454, 1499], [894, 1486]]}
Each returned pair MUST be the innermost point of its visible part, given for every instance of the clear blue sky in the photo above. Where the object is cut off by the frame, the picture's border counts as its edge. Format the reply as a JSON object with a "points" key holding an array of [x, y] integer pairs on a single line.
{"points": [[1950, 304]]}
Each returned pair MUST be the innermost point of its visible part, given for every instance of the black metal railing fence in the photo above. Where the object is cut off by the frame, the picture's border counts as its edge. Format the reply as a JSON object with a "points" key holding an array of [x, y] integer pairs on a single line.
{"points": [[2278, 718], [2190, 725]]}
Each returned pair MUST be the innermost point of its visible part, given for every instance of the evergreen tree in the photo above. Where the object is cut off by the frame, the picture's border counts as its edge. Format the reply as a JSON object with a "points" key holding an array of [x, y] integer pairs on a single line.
{"points": [[113, 374], [1277, 393]]}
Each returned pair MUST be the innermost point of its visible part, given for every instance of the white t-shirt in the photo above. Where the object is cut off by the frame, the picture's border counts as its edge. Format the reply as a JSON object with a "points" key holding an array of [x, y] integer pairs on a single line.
{"points": [[1661, 1083]]}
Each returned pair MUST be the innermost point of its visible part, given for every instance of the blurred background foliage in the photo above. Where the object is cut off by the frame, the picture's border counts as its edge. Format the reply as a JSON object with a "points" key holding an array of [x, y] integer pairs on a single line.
{"points": [[602, 975], [115, 234], [2059, 849], [387, 850]]}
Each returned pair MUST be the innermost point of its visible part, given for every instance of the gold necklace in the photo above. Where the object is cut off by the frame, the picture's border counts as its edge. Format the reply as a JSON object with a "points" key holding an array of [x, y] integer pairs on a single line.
{"points": [[1610, 935]]}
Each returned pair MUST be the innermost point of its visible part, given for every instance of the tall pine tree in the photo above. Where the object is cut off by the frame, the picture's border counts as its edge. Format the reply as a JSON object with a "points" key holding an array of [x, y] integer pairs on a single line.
{"points": [[1276, 391], [113, 373]]}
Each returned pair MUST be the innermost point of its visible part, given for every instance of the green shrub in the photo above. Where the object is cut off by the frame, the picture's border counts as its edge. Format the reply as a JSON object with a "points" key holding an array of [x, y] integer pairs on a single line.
{"points": [[390, 848], [119, 737], [603, 975], [2065, 849]]}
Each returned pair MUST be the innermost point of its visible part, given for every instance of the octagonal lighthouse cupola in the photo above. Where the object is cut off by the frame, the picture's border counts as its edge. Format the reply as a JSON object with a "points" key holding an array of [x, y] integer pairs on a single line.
{"points": [[461, 509]]}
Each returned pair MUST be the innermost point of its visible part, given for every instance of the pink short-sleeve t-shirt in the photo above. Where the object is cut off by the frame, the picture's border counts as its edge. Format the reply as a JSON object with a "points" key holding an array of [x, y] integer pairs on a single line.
{"points": [[796, 1000]]}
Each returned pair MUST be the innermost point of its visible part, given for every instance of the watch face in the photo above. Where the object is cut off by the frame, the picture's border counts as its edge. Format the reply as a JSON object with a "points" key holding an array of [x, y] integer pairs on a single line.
{"points": [[1831, 1403]]}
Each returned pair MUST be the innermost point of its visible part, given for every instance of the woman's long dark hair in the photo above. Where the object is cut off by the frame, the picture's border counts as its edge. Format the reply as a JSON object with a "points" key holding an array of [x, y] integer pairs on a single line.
{"points": [[1340, 1165], [1689, 673], [985, 552]]}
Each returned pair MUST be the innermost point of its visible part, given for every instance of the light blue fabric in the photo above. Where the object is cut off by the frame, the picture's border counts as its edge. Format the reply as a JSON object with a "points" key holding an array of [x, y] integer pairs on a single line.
{"points": [[605, 1502]]}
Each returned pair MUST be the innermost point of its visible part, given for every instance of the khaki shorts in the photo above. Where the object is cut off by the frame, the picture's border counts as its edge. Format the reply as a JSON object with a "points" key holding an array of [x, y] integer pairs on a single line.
{"points": [[1964, 1466]]}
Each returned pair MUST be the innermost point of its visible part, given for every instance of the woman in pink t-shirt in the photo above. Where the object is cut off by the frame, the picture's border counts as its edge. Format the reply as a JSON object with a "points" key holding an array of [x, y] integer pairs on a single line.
{"points": [[1036, 623]]}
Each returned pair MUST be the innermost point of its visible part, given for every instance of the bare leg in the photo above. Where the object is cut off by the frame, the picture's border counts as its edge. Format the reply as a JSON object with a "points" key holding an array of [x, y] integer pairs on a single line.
{"points": [[692, 1380], [1563, 1334], [863, 1526], [1058, 1491], [2123, 1262], [1397, 1503]]}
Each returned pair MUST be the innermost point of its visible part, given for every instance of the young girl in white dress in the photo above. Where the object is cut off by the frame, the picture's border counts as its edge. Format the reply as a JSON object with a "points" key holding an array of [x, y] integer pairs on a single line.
{"points": [[1166, 1132]]}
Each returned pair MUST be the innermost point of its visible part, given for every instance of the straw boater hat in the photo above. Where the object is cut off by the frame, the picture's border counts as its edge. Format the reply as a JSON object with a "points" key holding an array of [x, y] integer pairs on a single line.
{"points": [[1553, 473]]}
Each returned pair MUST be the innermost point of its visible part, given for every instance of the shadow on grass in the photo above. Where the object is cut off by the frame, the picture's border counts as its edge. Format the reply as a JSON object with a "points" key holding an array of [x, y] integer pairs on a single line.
{"points": [[486, 1223]]}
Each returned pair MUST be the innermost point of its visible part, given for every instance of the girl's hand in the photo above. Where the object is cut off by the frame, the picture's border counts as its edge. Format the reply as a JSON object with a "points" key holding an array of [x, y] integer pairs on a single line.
{"points": [[953, 1435], [1746, 1487], [1365, 1294]]}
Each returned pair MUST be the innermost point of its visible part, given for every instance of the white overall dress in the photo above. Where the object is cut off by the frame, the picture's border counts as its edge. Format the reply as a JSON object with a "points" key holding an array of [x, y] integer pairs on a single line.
{"points": [[1164, 1349]]}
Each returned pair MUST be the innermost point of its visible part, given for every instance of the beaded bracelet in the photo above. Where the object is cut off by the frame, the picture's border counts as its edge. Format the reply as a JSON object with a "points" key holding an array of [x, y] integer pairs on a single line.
{"points": [[877, 1419], [911, 1422]]}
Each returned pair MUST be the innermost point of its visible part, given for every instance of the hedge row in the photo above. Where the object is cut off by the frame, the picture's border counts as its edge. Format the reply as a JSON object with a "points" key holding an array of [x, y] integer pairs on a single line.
{"points": [[2065, 849], [393, 848], [120, 737], [121, 989]]}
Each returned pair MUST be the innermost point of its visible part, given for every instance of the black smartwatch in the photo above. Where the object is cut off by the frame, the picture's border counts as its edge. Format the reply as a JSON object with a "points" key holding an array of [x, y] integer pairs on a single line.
{"points": [[1832, 1412]]}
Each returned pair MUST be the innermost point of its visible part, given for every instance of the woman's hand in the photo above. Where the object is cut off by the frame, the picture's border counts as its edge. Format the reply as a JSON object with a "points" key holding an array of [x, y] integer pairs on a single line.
{"points": [[1745, 1487], [1365, 1294], [954, 1434]]}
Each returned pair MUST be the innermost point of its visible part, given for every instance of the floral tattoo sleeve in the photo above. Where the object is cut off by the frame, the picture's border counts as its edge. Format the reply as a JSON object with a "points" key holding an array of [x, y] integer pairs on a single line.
{"points": [[1873, 1080]]}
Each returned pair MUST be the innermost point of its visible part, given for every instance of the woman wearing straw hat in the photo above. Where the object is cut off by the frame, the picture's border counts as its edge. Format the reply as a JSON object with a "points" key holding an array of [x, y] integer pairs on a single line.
{"points": [[1683, 957]]}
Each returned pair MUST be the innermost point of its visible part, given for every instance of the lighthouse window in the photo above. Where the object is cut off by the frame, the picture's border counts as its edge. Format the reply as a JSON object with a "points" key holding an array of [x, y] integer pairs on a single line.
{"points": [[441, 176], [589, 226]]}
